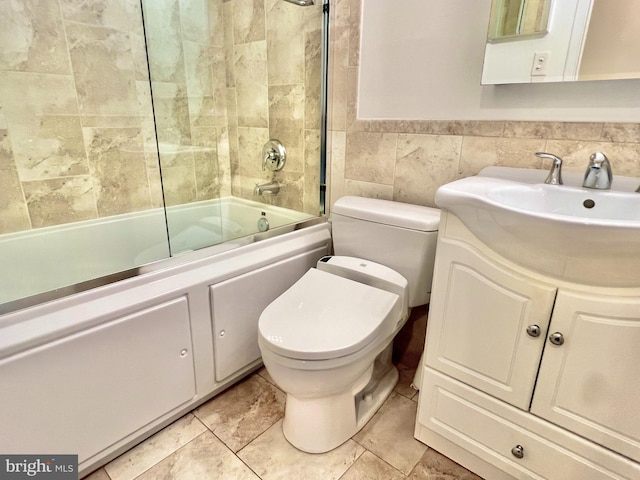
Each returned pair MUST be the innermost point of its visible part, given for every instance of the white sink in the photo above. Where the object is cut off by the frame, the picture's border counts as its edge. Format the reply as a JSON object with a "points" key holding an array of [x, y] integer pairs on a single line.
{"points": [[573, 233]]}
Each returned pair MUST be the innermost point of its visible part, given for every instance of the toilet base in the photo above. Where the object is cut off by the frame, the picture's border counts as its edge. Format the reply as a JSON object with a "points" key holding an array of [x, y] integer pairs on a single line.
{"points": [[318, 425]]}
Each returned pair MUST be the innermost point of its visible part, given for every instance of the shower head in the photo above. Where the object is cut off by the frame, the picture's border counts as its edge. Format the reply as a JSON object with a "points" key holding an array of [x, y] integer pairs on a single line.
{"points": [[302, 3]]}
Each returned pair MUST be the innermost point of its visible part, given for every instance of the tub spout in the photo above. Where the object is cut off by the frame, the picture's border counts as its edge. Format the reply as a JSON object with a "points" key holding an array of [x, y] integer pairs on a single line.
{"points": [[271, 188]]}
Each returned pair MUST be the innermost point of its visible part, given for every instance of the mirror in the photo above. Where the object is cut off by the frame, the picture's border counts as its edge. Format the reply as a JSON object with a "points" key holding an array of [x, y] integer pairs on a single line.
{"points": [[578, 40], [518, 18]]}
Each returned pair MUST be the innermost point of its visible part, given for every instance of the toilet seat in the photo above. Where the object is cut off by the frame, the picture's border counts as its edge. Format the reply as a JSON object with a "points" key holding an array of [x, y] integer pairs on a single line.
{"points": [[324, 316]]}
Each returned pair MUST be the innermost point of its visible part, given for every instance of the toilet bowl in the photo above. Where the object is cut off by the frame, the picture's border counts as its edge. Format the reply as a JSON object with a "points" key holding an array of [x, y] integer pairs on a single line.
{"points": [[319, 342], [327, 340]]}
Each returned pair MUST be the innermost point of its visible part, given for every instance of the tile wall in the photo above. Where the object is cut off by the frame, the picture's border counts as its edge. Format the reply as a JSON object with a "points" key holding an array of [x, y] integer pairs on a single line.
{"points": [[408, 160], [77, 138]]}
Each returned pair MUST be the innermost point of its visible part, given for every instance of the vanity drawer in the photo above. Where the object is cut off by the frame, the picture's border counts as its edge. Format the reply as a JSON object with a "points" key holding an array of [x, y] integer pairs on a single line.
{"points": [[490, 429]]}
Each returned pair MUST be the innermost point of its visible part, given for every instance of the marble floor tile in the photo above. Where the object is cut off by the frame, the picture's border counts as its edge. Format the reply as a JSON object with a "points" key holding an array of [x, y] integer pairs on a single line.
{"points": [[389, 434], [273, 458], [145, 455], [434, 466], [242, 413], [98, 475], [370, 467], [205, 457]]}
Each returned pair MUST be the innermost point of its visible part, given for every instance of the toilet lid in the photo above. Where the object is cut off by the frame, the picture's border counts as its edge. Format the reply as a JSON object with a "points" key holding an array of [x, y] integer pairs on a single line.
{"points": [[326, 316]]}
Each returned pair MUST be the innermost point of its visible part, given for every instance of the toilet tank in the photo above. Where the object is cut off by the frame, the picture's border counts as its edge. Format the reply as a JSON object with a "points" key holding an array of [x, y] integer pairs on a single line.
{"points": [[399, 235]]}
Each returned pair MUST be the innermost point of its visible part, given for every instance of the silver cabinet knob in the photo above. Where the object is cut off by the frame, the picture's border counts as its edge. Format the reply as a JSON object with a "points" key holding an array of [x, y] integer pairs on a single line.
{"points": [[533, 330], [556, 338], [518, 451]]}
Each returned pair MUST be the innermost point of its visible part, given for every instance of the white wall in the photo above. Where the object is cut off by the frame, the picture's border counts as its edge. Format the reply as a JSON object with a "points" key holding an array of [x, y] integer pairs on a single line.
{"points": [[422, 60]]}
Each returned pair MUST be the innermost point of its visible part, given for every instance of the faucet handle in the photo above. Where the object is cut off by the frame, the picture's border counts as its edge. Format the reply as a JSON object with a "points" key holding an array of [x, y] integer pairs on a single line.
{"points": [[598, 174], [555, 173]]}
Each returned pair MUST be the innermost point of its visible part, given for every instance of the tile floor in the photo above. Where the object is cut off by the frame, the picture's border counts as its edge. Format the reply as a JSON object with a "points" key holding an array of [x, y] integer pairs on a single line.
{"points": [[238, 435]]}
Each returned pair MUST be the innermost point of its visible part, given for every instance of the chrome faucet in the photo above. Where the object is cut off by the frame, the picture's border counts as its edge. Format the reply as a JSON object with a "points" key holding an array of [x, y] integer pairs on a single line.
{"points": [[598, 174], [271, 188], [555, 174]]}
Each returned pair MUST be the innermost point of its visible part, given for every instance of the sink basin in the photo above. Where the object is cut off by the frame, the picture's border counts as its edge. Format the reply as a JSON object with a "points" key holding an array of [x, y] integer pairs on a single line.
{"points": [[573, 233]]}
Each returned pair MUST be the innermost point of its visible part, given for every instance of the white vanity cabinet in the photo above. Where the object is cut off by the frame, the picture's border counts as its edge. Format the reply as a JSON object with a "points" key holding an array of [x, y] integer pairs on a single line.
{"points": [[526, 376], [590, 384]]}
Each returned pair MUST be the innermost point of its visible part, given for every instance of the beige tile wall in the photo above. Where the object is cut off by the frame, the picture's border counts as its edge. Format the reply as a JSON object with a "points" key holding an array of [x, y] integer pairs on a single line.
{"points": [[74, 100], [408, 160], [272, 51], [77, 138]]}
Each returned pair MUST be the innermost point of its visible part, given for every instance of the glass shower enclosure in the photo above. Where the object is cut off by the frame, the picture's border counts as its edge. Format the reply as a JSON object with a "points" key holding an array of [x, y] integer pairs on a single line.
{"points": [[132, 131]]}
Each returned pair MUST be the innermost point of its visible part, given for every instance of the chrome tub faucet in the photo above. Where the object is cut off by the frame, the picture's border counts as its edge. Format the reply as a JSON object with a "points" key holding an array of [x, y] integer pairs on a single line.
{"points": [[271, 188]]}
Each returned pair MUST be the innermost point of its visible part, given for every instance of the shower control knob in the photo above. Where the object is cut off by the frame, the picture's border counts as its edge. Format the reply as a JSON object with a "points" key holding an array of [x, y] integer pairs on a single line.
{"points": [[518, 451], [533, 330], [556, 338]]}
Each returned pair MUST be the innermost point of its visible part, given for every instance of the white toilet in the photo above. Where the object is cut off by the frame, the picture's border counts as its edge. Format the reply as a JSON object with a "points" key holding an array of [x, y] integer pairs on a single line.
{"points": [[327, 340]]}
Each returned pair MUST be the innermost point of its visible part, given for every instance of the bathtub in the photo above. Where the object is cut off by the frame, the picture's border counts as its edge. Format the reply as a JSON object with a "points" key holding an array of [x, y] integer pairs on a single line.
{"points": [[50, 258], [95, 372]]}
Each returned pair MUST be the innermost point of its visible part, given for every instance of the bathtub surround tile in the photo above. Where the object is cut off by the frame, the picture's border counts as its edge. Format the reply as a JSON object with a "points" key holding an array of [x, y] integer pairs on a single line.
{"points": [[389, 434], [271, 457], [424, 162], [32, 37], [118, 169], [203, 457], [215, 15], [224, 160], [227, 18], [60, 200], [46, 135], [106, 13], [243, 413], [164, 40], [171, 108], [370, 157], [103, 69], [285, 43], [291, 191], [194, 20], [14, 215], [219, 92], [49, 146], [205, 158], [252, 96], [248, 21], [312, 80], [155, 449], [179, 184], [199, 82], [286, 122], [370, 467], [434, 466], [311, 187], [250, 144]]}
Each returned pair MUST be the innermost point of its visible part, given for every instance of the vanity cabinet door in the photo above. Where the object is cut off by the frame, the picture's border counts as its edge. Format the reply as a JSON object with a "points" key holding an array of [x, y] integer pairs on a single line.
{"points": [[487, 324], [590, 384]]}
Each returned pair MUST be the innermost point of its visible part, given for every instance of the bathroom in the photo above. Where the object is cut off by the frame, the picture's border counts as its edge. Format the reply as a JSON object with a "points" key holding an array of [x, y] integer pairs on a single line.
{"points": [[408, 157]]}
